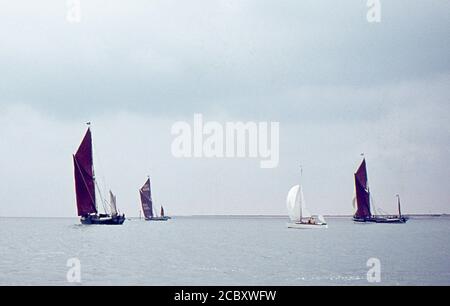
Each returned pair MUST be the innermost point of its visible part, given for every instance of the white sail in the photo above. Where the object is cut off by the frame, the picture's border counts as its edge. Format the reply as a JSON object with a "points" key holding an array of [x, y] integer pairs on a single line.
{"points": [[296, 204], [292, 202], [321, 219], [305, 212], [113, 204]]}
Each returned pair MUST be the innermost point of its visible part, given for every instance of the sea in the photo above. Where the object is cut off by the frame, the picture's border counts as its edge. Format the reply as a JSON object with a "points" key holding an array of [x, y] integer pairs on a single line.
{"points": [[223, 251]]}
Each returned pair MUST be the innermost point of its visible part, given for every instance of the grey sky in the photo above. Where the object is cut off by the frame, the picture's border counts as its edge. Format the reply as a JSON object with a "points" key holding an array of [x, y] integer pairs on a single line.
{"points": [[338, 85]]}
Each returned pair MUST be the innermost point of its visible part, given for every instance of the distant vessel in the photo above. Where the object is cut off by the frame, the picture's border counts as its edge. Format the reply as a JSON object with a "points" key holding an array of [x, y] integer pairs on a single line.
{"points": [[300, 217], [147, 204], [162, 214], [85, 188], [363, 201]]}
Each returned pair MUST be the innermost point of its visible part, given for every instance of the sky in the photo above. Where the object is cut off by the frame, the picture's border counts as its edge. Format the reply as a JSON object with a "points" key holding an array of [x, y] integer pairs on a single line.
{"points": [[337, 84]]}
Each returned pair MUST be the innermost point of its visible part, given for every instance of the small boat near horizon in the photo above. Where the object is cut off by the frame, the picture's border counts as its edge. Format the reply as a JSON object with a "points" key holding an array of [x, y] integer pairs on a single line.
{"points": [[363, 201], [300, 217], [147, 204], [86, 188]]}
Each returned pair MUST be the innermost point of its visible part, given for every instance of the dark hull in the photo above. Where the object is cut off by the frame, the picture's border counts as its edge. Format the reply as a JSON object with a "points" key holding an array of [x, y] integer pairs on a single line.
{"points": [[391, 220], [157, 219], [103, 220]]}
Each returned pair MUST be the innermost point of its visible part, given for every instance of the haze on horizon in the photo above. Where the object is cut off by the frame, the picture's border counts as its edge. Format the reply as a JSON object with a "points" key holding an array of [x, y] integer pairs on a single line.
{"points": [[337, 84]]}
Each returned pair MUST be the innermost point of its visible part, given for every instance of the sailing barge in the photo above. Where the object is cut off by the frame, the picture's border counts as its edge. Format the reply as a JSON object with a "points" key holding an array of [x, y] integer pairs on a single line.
{"points": [[86, 185], [147, 204], [363, 201]]}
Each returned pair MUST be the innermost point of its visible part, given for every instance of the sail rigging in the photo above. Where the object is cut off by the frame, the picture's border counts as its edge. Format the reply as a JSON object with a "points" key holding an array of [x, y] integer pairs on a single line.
{"points": [[300, 216], [86, 188]]}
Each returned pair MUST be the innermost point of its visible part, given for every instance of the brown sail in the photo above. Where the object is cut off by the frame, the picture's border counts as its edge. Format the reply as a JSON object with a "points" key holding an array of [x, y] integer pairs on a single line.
{"points": [[84, 177]]}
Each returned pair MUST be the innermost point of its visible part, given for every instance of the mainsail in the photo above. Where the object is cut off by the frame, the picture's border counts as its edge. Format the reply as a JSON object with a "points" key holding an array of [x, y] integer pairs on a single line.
{"points": [[146, 200], [362, 192], [162, 211], [296, 204], [113, 204], [84, 177], [305, 212]]}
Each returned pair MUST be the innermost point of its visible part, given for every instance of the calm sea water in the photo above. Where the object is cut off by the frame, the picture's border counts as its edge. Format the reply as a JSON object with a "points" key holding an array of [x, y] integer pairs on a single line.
{"points": [[223, 251]]}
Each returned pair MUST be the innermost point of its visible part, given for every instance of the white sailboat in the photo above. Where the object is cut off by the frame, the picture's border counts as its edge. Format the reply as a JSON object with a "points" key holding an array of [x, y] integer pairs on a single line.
{"points": [[300, 217]]}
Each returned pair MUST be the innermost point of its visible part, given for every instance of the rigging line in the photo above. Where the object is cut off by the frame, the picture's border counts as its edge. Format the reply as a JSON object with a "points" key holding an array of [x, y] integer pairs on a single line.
{"points": [[99, 163], [101, 197], [97, 159], [372, 203]]}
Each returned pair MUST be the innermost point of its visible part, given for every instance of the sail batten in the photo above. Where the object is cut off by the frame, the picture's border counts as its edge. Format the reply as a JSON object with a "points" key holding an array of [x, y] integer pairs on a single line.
{"points": [[84, 177], [146, 200]]}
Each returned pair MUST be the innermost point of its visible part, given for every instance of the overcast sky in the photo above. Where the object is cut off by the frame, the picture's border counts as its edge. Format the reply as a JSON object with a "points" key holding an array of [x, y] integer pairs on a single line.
{"points": [[337, 84]]}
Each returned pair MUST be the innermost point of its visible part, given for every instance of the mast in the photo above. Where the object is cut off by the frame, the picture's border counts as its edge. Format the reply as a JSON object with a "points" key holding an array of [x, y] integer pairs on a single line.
{"points": [[399, 208], [300, 193], [304, 212], [96, 189]]}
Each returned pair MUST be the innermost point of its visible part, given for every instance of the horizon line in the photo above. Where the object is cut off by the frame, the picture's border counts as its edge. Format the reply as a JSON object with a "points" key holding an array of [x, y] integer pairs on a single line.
{"points": [[230, 216]]}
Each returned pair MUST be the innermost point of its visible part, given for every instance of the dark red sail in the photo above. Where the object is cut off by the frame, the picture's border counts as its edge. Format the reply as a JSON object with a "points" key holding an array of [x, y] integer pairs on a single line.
{"points": [[162, 211], [84, 177], [146, 200], [362, 192], [361, 174]]}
